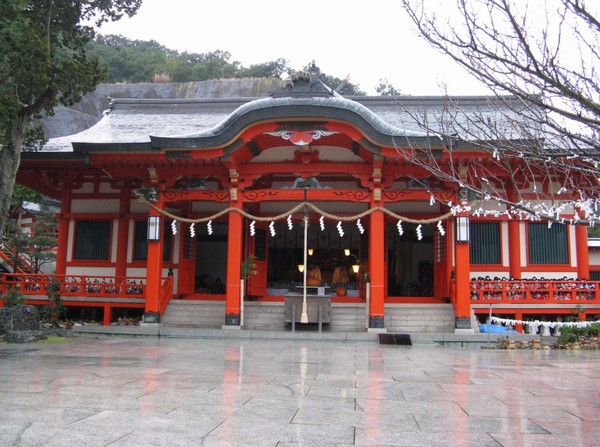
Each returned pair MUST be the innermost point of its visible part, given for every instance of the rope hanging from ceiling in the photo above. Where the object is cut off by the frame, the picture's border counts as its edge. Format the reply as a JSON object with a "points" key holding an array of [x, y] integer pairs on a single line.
{"points": [[297, 209]]}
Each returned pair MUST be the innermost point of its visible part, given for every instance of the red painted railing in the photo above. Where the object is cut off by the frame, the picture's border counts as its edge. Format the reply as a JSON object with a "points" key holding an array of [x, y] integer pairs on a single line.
{"points": [[24, 261], [535, 291], [166, 293], [72, 286]]}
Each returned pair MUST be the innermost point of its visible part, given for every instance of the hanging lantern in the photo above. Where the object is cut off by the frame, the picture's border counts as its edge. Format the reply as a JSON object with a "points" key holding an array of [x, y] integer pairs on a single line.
{"points": [[153, 228], [462, 229]]}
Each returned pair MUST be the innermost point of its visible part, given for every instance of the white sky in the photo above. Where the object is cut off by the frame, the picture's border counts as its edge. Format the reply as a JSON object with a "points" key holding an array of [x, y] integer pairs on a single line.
{"points": [[369, 40]]}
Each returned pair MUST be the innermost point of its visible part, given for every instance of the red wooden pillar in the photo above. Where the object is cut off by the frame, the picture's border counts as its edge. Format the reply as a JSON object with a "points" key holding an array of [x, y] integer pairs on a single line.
{"points": [[107, 318], [514, 242], [462, 269], [154, 266], [519, 317], [514, 249], [63, 231], [123, 232], [583, 255], [234, 264], [377, 269]]}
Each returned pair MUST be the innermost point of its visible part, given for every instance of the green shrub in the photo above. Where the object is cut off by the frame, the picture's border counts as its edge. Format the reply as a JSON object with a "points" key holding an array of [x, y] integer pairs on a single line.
{"points": [[14, 298], [56, 310], [572, 334]]}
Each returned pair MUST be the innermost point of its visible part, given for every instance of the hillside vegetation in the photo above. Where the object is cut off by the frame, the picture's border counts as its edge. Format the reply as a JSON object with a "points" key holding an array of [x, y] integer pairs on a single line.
{"points": [[132, 61]]}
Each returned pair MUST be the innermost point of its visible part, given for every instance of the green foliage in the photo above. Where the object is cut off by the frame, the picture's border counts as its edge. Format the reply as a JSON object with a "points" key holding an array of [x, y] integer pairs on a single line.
{"points": [[34, 138], [43, 63], [17, 242], [594, 231], [37, 246], [342, 86], [572, 334], [54, 339], [385, 88], [575, 313], [23, 194], [274, 68], [44, 52], [248, 267], [14, 298], [129, 60], [56, 310], [146, 61]]}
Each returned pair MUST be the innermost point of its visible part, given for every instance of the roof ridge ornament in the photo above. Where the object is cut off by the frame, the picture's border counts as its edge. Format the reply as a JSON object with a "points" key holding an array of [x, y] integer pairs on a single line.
{"points": [[306, 82], [111, 105]]}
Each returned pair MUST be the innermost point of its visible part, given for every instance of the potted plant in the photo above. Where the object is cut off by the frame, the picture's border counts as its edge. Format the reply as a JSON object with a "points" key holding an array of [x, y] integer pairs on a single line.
{"points": [[248, 267]]}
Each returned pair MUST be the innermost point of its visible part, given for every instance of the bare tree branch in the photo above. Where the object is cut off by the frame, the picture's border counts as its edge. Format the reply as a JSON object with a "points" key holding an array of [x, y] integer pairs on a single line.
{"points": [[540, 138]]}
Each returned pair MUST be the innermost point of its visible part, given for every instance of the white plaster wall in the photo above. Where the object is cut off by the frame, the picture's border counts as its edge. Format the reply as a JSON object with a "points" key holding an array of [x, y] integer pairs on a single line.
{"points": [[504, 244], [329, 153], [138, 207], [489, 206], [490, 273], [549, 275], [572, 245], [594, 257], [523, 239], [141, 273], [136, 272], [71, 240], [276, 154], [414, 207], [25, 224], [107, 188], [569, 209], [176, 241], [95, 206], [175, 279], [90, 271], [86, 188]]}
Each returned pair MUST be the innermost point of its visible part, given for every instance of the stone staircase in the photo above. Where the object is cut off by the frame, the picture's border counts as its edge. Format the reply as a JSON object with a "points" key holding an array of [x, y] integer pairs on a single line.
{"points": [[419, 318], [346, 317], [199, 314]]}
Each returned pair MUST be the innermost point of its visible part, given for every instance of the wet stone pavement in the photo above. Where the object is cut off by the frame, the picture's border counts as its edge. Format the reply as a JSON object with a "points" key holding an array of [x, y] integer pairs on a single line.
{"points": [[173, 392]]}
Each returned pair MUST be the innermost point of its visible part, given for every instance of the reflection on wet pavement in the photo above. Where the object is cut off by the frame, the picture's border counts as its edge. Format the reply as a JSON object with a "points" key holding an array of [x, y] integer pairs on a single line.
{"points": [[173, 392]]}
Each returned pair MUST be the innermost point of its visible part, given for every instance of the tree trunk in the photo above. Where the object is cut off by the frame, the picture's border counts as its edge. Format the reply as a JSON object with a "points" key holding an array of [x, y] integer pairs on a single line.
{"points": [[10, 158]]}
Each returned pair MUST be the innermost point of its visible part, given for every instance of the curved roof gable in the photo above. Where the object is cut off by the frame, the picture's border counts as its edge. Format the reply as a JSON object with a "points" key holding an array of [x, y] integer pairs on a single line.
{"points": [[145, 125], [281, 109]]}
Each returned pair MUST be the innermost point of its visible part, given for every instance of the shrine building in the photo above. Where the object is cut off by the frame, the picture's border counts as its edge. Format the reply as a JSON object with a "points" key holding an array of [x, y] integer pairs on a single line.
{"points": [[244, 201]]}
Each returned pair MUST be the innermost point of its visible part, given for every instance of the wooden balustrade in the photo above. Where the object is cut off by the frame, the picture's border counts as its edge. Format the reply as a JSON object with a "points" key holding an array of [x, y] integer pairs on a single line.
{"points": [[166, 293], [535, 291], [72, 286], [108, 292]]}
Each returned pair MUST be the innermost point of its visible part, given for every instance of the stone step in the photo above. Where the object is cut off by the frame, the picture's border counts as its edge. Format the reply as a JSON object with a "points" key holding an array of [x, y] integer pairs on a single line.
{"points": [[349, 317], [182, 313], [419, 318]]}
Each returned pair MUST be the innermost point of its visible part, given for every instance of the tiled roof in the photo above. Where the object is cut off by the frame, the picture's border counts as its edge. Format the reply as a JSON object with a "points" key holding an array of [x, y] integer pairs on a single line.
{"points": [[132, 122]]}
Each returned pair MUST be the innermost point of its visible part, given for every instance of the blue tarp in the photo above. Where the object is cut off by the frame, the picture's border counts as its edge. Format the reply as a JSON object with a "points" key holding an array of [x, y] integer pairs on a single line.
{"points": [[495, 329]]}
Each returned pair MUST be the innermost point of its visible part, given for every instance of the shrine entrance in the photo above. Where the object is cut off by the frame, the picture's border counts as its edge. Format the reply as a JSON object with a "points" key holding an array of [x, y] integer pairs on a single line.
{"points": [[410, 269], [332, 255], [211, 261]]}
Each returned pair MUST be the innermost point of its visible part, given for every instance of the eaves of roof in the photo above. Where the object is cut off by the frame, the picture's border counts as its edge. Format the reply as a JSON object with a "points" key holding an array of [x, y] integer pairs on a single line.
{"points": [[311, 108]]}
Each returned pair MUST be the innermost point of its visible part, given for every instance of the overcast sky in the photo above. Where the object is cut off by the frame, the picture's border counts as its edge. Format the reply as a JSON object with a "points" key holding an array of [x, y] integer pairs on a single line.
{"points": [[368, 40]]}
